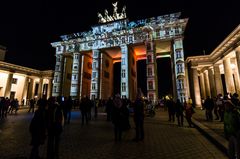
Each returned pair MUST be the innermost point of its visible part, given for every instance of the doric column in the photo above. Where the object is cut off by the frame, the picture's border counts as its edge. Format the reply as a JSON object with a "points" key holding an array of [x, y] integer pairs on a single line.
{"points": [[74, 92], [196, 88], [25, 89], [40, 87], [237, 52], [202, 86], [58, 76], [8, 85], [187, 82], [95, 80], [218, 79], [49, 89], [179, 70], [207, 85], [124, 69], [236, 77], [228, 75], [212, 83], [31, 86]]}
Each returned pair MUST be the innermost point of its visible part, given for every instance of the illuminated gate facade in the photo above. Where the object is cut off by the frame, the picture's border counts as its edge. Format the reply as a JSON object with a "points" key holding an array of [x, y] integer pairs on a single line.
{"points": [[84, 60]]}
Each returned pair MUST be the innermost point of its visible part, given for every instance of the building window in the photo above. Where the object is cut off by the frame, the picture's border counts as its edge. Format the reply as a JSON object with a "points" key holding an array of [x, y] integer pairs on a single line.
{"points": [[14, 81], [150, 84], [178, 54], [75, 67], [123, 73], [180, 85], [94, 65], [56, 79], [54, 89], [123, 87], [123, 61], [76, 56], [93, 86], [149, 71], [57, 68], [179, 68], [94, 75], [149, 58], [58, 59], [74, 77], [95, 54]]}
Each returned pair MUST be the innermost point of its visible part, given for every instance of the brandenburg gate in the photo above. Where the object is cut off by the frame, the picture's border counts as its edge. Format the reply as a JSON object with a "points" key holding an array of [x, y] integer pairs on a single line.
{"points": [[84, 60]]}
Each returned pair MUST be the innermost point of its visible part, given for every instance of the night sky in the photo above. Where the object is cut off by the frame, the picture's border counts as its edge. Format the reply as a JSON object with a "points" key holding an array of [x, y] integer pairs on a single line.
{"points": [[28, 27]]}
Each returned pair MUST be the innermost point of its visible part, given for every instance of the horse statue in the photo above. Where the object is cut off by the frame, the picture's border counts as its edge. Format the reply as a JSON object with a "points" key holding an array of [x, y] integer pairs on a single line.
{"points": [[115, 14], [101, 19], [107, 17]]}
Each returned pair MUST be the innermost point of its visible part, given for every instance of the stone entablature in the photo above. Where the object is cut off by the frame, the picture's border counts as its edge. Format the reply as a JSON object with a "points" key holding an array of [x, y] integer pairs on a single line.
{"points": [[122, 32], [230, 43], [25, 70]]}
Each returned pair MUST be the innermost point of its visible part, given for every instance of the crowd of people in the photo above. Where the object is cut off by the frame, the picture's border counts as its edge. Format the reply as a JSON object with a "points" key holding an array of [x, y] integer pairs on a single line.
{"points": [[8, 106], [52, 114], [177, 109]]}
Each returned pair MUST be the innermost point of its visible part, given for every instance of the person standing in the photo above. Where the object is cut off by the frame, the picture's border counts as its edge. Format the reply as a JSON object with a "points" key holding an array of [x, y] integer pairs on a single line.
{"points": [[31, 106], [55, 124], [139, 116], [38, 129], [188, 112], [109, 107], [116, 117], [179, 112]]}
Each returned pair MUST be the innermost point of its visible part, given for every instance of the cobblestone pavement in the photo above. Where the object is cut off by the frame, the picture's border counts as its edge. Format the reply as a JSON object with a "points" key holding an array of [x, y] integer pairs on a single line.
{"points": [[214, 125], [163, 140]]}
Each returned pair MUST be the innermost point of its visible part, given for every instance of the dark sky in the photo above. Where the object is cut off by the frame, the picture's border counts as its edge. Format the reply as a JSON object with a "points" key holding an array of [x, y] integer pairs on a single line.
{"points": [[28, 27]]}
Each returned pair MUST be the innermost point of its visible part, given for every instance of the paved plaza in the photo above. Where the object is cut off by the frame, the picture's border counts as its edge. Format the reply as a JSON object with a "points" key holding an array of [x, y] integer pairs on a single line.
{"points": [[96, 141]]}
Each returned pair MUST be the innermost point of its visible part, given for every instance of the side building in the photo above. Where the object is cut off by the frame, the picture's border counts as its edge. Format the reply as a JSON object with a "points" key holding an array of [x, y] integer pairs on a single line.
{"points": [[23, 83], [218, 72]]}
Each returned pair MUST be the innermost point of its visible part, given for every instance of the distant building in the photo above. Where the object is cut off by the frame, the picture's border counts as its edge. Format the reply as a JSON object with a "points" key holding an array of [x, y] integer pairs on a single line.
{"points": [[23, 83], [218, 72]]}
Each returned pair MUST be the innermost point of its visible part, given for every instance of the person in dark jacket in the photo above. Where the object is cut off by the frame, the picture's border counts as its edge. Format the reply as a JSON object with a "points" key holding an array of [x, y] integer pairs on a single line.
{"points": [[139, 116], [38, 129], [117, 116], [179, 112], [55, 127]]}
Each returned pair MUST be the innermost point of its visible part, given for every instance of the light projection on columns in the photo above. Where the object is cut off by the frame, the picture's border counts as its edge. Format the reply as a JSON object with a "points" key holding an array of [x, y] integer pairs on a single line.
{"points": [[179, 69], [152, 91], [95, 74], [75, 76], [57, 81], [124, 71]]}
